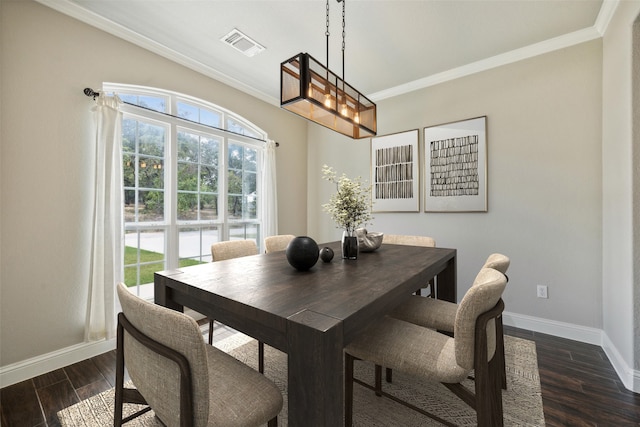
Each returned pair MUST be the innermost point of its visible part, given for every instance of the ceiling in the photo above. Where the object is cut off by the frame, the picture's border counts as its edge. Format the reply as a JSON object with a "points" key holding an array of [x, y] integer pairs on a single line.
{"points": [[392, 46]]}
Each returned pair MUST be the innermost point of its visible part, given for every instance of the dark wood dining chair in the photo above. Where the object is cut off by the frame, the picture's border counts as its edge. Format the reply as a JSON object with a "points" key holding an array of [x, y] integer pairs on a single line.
{"points": [[433, 356], [183, 380]]}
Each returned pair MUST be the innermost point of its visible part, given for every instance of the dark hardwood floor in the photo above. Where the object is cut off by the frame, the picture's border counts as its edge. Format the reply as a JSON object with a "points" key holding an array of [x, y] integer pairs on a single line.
{"points": [[579, 387]]}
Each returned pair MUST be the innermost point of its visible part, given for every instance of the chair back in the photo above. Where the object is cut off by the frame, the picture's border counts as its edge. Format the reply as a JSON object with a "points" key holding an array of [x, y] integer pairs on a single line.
{"points": [[498, 262], [233, 249], [155, 377], [483, 295], [277, 243], [398, 239]]}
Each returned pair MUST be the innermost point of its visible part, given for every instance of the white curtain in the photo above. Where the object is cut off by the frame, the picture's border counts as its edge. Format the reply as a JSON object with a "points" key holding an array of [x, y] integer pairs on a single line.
{"points": [[270, 194], [107, 243]]}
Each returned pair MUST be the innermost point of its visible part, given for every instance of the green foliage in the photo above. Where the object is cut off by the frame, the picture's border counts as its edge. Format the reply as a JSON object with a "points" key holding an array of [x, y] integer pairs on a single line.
{"points": [[146, 270]]}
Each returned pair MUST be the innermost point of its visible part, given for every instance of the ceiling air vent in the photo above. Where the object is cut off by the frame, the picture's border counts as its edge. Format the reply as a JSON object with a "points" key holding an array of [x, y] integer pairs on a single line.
{"points": [[241, 42]]}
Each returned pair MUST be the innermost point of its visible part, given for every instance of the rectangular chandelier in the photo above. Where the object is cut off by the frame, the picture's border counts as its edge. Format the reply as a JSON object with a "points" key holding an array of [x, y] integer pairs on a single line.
{"points": [[309, 89]]}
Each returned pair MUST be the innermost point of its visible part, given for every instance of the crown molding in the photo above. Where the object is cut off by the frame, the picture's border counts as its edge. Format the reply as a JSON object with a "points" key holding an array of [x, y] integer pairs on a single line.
{"points": [[602, 21], [516, 55]]}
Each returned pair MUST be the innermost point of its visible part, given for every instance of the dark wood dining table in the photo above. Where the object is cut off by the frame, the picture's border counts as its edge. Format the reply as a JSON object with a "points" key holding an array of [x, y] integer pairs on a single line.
{"points": [[310, 315]]}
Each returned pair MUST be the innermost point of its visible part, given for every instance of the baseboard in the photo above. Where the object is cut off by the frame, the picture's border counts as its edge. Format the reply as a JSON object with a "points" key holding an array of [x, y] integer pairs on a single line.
{"points": [[551, 327], [629, 377], [42, 364]]}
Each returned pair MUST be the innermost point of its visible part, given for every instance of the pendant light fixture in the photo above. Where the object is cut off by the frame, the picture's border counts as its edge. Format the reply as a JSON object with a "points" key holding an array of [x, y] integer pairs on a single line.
{"points": [[311, 90]]}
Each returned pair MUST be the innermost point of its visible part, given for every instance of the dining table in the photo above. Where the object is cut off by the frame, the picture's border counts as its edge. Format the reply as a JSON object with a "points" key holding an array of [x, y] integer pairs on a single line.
{"points": [[309, 315]]}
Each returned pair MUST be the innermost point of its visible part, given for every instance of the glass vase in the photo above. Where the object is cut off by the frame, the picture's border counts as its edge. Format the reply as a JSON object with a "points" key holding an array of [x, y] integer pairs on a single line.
{"points": [[349, 245]]}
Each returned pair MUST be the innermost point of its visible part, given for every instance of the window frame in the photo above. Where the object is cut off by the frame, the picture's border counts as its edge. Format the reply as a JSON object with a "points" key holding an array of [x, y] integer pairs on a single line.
{"points": [[171, 225]]}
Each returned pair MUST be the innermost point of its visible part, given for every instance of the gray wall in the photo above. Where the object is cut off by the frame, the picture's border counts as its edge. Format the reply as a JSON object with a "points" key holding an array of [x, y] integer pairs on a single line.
{"points": [[544, 167], [47, 60]]}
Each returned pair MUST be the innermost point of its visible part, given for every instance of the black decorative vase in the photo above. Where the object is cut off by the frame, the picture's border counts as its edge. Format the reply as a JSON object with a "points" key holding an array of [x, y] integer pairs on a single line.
{"points": [[326, 254], [302, 253], [349, 245]]}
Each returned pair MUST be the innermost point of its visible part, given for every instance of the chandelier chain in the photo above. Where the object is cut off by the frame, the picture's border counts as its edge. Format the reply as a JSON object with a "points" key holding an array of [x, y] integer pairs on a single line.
{"points": [[344, 2]]}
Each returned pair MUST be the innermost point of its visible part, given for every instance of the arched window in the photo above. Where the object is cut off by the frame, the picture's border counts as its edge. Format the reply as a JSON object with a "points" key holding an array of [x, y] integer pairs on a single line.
{"points": [[192, 177]]}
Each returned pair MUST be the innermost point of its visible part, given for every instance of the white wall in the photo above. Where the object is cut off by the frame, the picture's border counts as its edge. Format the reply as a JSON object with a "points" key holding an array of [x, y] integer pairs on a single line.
{"points": [[544, 133], [47, 60], [619, 293]]}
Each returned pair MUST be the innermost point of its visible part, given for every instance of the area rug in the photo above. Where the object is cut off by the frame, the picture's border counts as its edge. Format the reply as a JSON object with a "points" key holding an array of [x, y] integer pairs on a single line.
{"points": [[522, 400]]}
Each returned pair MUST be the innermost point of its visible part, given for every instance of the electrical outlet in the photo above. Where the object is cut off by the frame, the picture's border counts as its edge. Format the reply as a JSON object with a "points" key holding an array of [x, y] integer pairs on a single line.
{"points": [[542, 291]]}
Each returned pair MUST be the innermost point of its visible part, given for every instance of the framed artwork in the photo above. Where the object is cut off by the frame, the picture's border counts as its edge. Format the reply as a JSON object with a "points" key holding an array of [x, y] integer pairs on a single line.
{"points": [[394, 172], [456, 166]]}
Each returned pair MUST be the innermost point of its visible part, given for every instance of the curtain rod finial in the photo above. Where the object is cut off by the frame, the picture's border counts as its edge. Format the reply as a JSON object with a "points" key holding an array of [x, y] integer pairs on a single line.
{"points": [[90, 92]]}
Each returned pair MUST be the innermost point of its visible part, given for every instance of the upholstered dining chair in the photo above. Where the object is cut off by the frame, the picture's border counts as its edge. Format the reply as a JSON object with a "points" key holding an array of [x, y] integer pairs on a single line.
{"points": [[441, 315], [235, 249], [184, 381], [400, 239], [434, 356], [277, 243]]}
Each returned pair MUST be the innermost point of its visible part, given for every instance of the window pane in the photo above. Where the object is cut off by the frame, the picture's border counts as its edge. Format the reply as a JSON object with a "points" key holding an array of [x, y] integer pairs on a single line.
{"points": [[209, 151], [129, 170], [195, 244], [150, 206], [187, 177], [149, 102], [237, 126], [129, 132], [150, 173], [236, 156], [188, 147], [250, 159], [234, 208], [187, 206], [208, 179], [129, 205], [244, 232], [199, 115], [208, 206], [151, 139], [235, 182], [144, 255]]}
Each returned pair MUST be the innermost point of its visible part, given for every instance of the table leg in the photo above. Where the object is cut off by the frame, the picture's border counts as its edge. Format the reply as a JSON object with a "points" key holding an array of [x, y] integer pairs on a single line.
{"points": [[447, 282], [162, 294], [315, 372]]}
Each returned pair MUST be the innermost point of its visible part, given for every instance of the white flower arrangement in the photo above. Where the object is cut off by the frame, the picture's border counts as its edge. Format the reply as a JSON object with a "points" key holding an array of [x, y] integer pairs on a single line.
{"points": [[350, 206]]}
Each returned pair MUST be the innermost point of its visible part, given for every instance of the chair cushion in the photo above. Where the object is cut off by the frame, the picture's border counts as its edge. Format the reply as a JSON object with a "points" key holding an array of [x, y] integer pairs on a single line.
{"points": [[221, 251], [498, 262], [239, 396], [413, 349], [427, 312], [483, 295]]}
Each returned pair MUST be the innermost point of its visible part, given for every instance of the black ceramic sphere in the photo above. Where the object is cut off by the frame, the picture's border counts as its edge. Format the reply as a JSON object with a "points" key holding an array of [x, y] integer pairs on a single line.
{"points": [[326, 254], [302, 253]]}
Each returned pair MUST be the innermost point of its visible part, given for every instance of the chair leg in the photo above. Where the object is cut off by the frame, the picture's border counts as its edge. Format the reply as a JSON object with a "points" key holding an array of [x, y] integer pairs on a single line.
{"points": [[211, 331], [378, 380], [261, 357], [273, 422], [389, 375], [502, 367], [348, 390], [117, 415]]}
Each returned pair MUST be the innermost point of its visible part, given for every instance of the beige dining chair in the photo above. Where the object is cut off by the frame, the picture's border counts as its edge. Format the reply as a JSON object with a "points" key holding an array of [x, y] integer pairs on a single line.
{"points": [[441, 315], [399, 239], [221, 251], [277, 243], [183, 380], [433, 356]]}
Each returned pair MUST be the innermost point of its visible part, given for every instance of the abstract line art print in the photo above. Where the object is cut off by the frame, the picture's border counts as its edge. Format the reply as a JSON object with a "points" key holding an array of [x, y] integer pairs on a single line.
{"points": [[394, 172], [456, 166]]}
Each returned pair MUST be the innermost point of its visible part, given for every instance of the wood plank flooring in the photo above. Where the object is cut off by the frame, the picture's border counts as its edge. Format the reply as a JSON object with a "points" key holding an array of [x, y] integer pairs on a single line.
{"points": [[579, 387]]}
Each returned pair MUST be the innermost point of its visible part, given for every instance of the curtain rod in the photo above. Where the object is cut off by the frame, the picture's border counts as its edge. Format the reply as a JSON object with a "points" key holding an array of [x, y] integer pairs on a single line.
{"points": [[90, 92]]}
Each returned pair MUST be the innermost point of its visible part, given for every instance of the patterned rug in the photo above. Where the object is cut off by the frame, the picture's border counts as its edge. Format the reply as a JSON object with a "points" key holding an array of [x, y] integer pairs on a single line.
{"points": [[522, 400]]}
